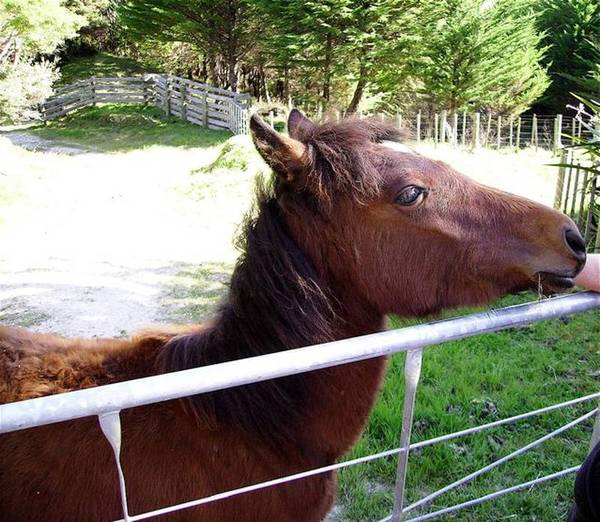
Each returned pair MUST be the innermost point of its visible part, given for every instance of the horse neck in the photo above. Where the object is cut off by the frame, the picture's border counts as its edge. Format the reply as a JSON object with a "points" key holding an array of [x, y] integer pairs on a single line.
{"points": [[278, 301]]}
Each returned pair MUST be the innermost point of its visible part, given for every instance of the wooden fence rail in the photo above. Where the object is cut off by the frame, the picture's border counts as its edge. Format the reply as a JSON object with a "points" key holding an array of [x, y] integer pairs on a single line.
{"points": [[195, 102]]}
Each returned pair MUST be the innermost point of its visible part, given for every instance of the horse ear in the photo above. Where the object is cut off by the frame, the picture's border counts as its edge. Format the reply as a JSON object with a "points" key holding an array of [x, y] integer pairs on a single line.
{"points": [[299, 125], [286, 156]]}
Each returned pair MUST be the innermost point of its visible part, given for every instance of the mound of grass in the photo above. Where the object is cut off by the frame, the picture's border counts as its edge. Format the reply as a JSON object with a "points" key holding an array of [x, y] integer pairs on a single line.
{"points": [[119, 128], [100, 64], [475, 381]]}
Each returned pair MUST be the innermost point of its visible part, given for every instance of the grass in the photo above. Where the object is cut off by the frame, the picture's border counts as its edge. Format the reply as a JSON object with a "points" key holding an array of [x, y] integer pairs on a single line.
{"points": [[99, 64], [121, 128], [471, 382], [464, 383]]}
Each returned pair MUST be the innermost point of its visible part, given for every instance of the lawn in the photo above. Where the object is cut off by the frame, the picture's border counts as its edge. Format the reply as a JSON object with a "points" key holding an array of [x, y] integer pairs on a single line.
{"points": [[205, 185]]}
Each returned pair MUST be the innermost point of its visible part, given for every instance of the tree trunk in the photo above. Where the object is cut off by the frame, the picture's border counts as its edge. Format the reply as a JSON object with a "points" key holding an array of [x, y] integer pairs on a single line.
{"points": [[231, 72], [358, 91], [327, 68], [212, 70]]}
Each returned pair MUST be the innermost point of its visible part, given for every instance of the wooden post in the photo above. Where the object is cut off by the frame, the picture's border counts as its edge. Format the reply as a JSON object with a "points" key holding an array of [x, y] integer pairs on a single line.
{"points": [[168, 98], [93, 89], [464, 129], [557, 132], [590, 216], [271, 119], [575, 187], [519, 133], [436, 124], [560, 182], [455, 129], [579, 131], [419, 127], [573, 129], [443, 126], [205, 108], [399, 118], [488, 128], [476, 128], [510, 137], [569, 170], [499, 136], [580, 222], [534, 132], [183, 101]]}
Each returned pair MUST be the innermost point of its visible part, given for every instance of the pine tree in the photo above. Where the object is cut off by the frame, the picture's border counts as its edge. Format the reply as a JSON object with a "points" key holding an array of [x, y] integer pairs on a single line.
{"points": [[221, 29], [572, 30], [481, 55]]}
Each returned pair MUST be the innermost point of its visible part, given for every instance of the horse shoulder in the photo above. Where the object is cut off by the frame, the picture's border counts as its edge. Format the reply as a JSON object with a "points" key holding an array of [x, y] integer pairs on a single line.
{"points": [[35, 365]]}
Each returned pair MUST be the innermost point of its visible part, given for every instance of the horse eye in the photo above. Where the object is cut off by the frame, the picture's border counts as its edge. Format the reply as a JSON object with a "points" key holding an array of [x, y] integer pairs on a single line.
{"points": [[410, 195]]}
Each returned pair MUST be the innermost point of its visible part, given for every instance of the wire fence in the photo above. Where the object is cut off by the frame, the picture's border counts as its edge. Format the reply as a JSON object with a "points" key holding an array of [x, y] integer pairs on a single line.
{"points": [[482, 129], [106, 402]]}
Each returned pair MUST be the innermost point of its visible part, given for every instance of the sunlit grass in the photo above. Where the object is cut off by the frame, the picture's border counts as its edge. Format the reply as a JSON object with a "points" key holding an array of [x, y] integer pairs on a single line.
{"points": [[475, 381]]}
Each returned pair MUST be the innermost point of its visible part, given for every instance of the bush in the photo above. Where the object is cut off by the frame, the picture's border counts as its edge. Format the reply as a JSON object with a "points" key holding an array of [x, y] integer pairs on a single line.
{"points": [[23, 86]]}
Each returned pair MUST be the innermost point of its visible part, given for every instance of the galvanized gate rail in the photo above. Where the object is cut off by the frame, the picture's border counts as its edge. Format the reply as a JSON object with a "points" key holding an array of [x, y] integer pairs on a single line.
{"points": [[107, 401]]}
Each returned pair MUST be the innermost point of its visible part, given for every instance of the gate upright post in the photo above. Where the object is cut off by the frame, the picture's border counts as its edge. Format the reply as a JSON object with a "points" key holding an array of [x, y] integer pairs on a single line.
{"points": [[412, 374]]}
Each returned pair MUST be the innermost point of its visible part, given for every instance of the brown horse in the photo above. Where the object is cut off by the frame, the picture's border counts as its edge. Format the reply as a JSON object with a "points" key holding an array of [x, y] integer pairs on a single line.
{"points": [[348, 230]]}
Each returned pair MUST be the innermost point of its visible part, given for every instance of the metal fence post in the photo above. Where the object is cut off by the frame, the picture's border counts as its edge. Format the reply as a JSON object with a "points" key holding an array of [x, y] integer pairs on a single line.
{"points": [[596, 433], [412, 373], [419, 127], [110, 423]]}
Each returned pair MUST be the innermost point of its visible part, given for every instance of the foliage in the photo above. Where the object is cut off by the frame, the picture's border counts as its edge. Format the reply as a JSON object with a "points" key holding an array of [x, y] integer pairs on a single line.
{"points": [[572, 30], [23, 86], [31, 27], [219, 29], [355, 40], [481, 55]]}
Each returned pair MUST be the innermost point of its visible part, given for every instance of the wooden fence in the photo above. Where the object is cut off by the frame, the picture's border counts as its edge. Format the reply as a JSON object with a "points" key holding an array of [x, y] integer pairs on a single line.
{"points": [[195, 102], [578, 195]]}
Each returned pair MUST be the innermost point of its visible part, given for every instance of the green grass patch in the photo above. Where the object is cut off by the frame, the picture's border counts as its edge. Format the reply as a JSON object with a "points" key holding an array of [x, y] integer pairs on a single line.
{"points": [[100, 64], [471, 382], [15, 312], [121, 128], [196, 291]]}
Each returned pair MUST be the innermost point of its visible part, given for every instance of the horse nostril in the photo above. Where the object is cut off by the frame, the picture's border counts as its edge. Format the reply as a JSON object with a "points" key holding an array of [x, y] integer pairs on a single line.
{"points": [[575, 242]]}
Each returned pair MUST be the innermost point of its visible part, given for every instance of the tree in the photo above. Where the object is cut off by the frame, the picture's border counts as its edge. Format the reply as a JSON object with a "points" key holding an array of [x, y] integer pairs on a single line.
{"points": [[481, 54], [572, 28], [28, 29], [32, 27], [351, 41], [221, 29]]}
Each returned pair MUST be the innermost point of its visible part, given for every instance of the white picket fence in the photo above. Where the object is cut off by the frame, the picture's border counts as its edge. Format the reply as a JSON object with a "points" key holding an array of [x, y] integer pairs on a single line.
{"points": [[195, 102], [107, 401]]}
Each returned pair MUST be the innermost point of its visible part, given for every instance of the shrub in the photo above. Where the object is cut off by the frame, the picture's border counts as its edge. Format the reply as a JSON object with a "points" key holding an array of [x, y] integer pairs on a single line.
{"points": [[23, 85]]}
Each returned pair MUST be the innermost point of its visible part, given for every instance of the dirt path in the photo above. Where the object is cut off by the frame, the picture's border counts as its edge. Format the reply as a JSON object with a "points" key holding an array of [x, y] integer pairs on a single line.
{"points": [[95, 244]]}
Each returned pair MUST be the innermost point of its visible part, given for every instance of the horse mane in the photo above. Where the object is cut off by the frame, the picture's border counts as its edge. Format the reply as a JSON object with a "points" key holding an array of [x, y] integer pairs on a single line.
{"points": [[277, 301]]}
